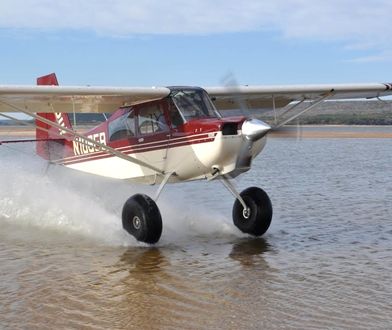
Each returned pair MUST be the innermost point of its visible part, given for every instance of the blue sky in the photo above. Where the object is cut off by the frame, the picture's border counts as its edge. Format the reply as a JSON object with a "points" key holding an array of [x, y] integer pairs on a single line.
{"points": [[207, 43]]}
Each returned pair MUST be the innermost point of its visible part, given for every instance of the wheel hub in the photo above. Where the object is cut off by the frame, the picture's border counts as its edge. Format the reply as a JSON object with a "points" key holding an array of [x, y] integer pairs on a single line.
{"points": [[246, 212], [136, 222]]}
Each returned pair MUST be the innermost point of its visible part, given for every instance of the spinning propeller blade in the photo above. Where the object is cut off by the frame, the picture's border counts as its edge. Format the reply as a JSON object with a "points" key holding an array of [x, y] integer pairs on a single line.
{"points": [[253, 125]]}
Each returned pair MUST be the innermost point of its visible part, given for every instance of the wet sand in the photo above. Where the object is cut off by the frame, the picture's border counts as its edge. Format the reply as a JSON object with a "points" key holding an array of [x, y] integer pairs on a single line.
{"points": [[17, 131], [334, 131]]}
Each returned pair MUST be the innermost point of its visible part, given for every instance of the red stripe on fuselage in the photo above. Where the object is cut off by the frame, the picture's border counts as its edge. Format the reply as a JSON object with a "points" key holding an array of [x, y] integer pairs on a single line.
{"points": [[142, 147]]}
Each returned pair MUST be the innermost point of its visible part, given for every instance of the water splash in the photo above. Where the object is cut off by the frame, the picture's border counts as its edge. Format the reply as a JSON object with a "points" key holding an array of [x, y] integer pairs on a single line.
{"points": [[60, 199]]}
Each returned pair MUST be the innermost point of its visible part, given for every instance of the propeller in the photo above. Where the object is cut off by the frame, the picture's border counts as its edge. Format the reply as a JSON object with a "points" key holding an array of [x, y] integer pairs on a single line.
{"points": [[230, 82], [254, 126]]}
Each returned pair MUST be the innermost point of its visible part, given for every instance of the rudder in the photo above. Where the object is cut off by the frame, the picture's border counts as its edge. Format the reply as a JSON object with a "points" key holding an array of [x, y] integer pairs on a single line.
{"points": [[50, 140]]}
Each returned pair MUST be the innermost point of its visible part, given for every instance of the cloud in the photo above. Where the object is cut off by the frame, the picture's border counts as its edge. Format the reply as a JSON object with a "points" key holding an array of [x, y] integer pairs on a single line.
{"points": [[383, 57], [353, 22]]}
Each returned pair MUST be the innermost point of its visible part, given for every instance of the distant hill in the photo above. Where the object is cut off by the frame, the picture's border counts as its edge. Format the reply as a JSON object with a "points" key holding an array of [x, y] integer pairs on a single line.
{"points": [[350, 113], [336, 113]]}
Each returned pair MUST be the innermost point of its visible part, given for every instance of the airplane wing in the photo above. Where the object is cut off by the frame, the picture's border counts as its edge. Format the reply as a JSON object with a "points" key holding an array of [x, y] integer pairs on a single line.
{"points": [[268, 97], [108, 99], [75, 99]]}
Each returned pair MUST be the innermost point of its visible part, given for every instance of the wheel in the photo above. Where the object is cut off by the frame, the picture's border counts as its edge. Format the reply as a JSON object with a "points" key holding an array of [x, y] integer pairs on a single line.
{"points": [[257, 218], [142, 219]]}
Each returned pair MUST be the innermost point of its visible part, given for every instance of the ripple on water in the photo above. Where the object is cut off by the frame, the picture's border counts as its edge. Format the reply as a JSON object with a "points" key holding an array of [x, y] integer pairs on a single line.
{"points": [[325, 263]]}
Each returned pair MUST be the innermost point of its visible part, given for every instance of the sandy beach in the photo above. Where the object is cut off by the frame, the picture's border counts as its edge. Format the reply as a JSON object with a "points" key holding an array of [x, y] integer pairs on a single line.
{"points": [[334, 132]]}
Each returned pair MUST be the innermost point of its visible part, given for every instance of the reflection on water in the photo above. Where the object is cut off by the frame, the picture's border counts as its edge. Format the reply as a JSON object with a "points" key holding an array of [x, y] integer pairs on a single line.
{"points": [[324, 263], [143, 260], [247, 250], [164, 285]]}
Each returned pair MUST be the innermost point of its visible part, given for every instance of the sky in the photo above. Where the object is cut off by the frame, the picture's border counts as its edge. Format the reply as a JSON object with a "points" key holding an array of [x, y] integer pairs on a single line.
{"points": [[205, 43]]}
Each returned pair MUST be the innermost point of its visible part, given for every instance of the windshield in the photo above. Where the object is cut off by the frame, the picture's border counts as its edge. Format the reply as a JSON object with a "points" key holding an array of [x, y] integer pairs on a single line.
{"points": [[194, 103]]}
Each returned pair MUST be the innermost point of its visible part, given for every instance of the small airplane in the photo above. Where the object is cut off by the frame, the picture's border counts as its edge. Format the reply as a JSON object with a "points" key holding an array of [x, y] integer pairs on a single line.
{"points": [[166, 135]]}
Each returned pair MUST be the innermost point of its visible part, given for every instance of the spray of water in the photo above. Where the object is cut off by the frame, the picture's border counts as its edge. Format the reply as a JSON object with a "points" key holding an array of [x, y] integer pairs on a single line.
{"points": [[58, 199]]}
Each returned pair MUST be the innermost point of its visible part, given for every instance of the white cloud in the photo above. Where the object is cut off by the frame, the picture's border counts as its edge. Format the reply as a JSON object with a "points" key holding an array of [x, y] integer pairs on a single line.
{"points": [[383, 57], [354, 22]]}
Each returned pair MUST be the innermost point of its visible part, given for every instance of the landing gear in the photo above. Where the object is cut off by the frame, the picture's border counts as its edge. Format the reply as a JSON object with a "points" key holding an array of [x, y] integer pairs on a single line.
{"points": [[252, 213], [252, 209], [142, 219], [255, 218]]}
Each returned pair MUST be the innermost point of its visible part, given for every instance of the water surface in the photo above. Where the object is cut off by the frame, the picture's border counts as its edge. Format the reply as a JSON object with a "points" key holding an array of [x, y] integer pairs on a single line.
{"points": [[326, 261]]}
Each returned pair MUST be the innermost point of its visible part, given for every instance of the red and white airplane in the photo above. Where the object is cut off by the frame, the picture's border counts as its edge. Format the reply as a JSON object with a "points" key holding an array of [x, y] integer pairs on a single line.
{"points": [[168, 134]]}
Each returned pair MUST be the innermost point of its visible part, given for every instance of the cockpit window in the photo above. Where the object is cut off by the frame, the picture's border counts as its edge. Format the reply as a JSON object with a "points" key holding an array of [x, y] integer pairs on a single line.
{"points": [[122, 127], [152, 119], [194, 104]]}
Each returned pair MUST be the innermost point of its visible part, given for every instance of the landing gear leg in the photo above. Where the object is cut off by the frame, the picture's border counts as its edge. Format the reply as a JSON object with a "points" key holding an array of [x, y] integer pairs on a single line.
{"points": [[252, 209]]}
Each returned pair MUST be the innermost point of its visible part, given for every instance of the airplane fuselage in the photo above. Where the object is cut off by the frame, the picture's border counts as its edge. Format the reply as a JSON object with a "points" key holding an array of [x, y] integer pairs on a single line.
{"points": [[193, 143]]}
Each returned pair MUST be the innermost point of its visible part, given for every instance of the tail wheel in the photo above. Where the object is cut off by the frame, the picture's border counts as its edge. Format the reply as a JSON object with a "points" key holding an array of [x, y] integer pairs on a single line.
{"points": [[142, 219], [256, 219]]}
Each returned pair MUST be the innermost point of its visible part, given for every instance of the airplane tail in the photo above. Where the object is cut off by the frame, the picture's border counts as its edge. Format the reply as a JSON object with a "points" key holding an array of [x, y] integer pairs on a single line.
{"points": [[50, 140]]}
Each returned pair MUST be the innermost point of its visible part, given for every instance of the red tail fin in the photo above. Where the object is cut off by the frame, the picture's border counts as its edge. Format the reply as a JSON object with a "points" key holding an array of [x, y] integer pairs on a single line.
{"points": [[49, 79], [44, 132]]}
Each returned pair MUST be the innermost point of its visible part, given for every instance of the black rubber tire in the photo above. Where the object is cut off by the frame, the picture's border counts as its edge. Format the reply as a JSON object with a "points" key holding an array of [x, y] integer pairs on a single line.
{"points": [[260, 212], [141, 218]]}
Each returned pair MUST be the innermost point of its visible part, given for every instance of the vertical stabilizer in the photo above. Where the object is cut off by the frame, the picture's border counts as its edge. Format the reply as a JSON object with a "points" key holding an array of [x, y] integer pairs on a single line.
{"points": [[48, 80], [45, 133]]}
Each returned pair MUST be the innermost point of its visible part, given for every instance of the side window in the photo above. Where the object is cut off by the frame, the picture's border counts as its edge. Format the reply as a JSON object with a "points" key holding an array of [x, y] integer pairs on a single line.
{"points": [[152, 119], [122, 127]]}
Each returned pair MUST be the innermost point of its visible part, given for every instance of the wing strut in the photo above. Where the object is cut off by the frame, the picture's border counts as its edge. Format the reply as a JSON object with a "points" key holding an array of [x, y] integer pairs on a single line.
{"points": [[85, 139], [321, 99]]}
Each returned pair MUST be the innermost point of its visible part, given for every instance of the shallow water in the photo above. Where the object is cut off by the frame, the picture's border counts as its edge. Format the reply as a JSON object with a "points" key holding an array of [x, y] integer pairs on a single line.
{"points": [[326, 261]]}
